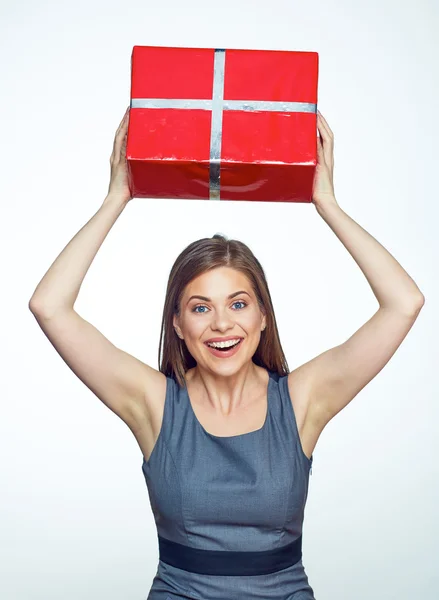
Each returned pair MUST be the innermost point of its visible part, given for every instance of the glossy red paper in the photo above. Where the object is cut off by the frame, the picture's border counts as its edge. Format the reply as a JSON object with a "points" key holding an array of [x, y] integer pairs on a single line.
{"points": [[265, 155]]}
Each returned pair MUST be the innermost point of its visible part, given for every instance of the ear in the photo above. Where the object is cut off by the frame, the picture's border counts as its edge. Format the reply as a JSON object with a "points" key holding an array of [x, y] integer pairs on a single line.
{"points": [[177, 327], [264, 323]]}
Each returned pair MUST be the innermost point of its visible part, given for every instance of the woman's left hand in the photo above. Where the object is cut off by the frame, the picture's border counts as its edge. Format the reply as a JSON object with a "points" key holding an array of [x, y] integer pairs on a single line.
{"points": [[323, 188]]}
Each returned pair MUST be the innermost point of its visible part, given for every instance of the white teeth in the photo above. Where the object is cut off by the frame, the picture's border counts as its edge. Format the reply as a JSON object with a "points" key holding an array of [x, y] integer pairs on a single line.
{"points": [[223, 344]]}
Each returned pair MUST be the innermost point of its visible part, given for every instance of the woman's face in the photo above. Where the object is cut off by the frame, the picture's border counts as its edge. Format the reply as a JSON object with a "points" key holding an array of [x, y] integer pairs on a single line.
{"points": [[211, 308]]}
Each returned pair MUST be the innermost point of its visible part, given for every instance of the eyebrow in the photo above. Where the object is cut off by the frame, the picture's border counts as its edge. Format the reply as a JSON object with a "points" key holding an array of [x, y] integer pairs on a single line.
{"points": [[209, 299]]}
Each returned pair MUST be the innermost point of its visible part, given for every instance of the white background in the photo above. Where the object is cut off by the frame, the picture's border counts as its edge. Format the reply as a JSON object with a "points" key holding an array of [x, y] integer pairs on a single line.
{"points": [[75, 517]]}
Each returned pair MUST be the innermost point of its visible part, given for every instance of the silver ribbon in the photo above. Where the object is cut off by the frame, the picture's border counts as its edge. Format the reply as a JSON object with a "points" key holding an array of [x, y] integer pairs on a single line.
{"points": [[217, 105]]}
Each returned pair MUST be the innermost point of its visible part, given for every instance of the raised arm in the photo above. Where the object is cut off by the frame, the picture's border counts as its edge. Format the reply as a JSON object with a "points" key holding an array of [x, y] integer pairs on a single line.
{"points": [[335, 377], [118, 379]]}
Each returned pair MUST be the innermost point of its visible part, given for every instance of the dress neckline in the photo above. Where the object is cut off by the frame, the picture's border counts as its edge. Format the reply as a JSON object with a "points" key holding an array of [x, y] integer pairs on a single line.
{"points": [[239, 435]]}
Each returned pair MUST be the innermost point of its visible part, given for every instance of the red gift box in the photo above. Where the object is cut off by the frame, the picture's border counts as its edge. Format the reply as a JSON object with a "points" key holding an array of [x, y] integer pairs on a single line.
{"points": [[222, 124]]}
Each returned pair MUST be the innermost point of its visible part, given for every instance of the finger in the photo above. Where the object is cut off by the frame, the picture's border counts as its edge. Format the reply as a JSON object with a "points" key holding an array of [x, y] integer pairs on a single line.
{"points": [[326, 153], [320, 153], [120, 135], [123, 146], [123, 124], [118, 146], [323, 123], [323, 131], [327, 143]]}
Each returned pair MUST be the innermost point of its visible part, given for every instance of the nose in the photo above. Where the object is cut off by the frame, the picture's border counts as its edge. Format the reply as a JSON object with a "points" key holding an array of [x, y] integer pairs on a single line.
{"points": [[222, 321]]}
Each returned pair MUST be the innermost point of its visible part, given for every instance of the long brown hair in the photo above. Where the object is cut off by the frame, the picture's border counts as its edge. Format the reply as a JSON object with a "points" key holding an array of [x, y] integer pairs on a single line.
{"points": [[197, 258]]}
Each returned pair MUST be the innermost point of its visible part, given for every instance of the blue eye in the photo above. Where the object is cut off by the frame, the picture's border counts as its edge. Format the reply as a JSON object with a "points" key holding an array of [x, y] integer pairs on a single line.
{"points": [[204, 306], [240, 302], [199, 306]]}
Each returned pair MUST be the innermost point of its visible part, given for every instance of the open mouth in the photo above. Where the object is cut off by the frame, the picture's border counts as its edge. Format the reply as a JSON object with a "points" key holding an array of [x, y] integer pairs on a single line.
{"points": [[226, 348], [224, 352]]}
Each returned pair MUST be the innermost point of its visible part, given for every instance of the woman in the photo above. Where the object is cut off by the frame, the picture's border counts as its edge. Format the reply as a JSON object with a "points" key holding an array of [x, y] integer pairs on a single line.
{"points": [[227, 435]]}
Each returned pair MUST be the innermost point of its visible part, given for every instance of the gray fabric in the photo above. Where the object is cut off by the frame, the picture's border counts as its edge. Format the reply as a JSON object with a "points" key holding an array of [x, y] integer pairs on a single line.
{"points": [[243, 493]]}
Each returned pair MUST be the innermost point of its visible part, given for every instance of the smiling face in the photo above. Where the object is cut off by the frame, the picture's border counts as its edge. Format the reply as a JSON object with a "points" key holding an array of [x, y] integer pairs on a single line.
{"points": [[220, 304]]}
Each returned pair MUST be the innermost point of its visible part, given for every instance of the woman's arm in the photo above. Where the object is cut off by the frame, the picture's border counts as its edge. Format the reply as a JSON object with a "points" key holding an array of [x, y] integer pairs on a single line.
{"points": [[123, 383], [59, 288], [336, 376], [392, 285]]}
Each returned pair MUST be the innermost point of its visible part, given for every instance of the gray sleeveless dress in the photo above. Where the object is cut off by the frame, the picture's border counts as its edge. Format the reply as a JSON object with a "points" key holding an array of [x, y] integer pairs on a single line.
{"points": [[237, 501]]}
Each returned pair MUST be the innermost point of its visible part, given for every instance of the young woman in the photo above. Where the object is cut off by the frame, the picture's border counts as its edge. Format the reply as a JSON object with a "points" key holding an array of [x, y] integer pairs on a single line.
{"points": [[226, 431]]}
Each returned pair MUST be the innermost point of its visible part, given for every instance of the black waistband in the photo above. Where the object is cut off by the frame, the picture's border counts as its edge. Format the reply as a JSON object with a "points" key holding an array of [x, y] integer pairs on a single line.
{"points": [[225, 562]]}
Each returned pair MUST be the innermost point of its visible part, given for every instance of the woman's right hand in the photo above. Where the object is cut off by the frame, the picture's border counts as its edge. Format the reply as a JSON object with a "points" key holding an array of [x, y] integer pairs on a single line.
{"points": [[119, 173]]}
